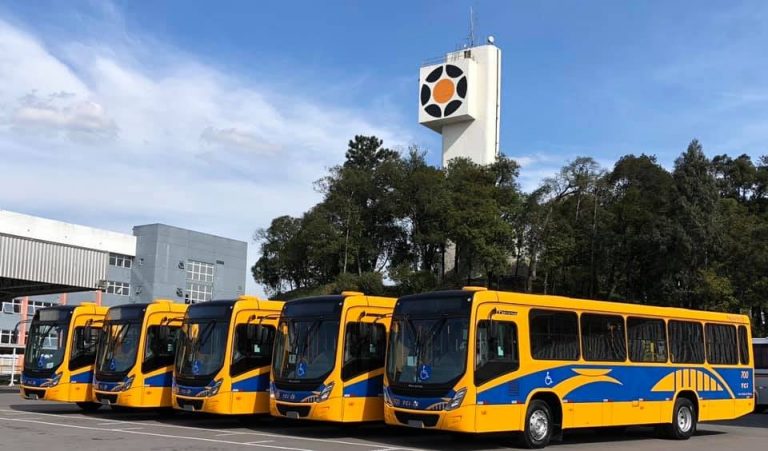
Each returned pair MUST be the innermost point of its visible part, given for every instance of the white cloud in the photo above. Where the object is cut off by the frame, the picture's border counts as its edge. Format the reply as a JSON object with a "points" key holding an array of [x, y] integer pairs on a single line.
{"points": [[88, 134]]}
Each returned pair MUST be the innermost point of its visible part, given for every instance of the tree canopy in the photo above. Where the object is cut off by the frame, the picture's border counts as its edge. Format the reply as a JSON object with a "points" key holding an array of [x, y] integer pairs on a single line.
{"points": [[695, 236]]}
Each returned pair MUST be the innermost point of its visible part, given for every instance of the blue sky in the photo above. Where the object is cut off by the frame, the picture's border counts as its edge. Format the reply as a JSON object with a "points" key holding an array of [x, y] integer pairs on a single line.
{"points": [[219, 115]]}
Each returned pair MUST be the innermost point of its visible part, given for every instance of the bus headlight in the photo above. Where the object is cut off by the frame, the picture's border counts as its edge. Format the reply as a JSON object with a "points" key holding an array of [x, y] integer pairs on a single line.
{"points": [[211, 390], [457, 399], [124, 385], [272, 390], [326, 393], [52, 382]]}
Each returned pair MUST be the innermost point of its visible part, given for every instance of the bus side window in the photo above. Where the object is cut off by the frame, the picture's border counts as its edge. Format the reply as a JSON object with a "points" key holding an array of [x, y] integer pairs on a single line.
{"points": [[497, 350], [686, 341], [252, 347], [647, 340], [722, 348], [160, 349], [83, 351], [602, 338], [364, 347], [744, 346], [554, 335]]}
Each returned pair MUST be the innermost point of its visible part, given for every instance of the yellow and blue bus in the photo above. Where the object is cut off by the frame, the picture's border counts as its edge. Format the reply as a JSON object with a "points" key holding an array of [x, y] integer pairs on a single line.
{"points": [[475, 360], [328, 361], [60, 353], [224, 355], [134, 359]]}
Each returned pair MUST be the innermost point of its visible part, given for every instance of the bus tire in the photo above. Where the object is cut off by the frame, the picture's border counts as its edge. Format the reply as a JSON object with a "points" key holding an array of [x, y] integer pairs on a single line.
{"points": [[88, 406], [683, 424], [539, 425]]}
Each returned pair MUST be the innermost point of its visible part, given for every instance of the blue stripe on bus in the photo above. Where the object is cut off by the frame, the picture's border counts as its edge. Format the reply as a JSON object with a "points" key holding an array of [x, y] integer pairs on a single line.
{"points": [[160, 380], [618, 383], [586, 383], [258, 383], [366, 388], [186, 390], [86, 377]]}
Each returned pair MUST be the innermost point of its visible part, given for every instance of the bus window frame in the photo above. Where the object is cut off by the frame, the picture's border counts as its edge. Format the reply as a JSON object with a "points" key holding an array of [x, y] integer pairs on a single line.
{"points": [[602, 315], [667, 357], [736, 343], [517, 342], [152, 364], [346, 371], [577, 313], [703, 342], [234, 370], [72, 365]]}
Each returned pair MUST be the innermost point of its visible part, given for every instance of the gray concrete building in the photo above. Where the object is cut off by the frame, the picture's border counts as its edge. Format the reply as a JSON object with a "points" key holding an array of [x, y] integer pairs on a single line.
{"points": [[45, 262]]}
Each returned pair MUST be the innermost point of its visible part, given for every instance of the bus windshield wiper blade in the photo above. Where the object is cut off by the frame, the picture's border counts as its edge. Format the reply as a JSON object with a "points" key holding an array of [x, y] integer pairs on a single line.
{"points": [[204, 335]]}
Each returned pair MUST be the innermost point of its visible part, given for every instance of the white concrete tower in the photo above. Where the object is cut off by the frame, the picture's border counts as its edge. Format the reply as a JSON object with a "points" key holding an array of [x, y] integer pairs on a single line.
{"points": [[459, 97]]}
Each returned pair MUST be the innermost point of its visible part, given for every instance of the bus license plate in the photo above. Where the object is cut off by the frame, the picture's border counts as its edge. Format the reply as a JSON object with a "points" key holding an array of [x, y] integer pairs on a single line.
{"points": [[416, 424]]}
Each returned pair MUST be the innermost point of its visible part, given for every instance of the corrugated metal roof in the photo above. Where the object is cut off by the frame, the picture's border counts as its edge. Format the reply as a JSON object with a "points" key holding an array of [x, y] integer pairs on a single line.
{"points": [[51, 263]]}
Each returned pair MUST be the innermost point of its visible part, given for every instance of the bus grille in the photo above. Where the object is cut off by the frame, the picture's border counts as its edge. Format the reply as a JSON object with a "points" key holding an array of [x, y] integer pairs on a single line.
{"points": [[190, 404], [290, 410], [106, 399], [412, 419], [34, 394]]}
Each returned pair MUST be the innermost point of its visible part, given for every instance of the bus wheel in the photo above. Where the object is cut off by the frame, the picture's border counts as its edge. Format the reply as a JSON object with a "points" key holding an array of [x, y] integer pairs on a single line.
{"points": [[88, 406], [683, 424], [538, 425]]}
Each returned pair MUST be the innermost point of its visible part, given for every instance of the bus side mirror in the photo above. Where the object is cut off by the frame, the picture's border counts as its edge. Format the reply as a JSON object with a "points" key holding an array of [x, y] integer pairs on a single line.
{"points": [[163, 333], [15, 336], [250, 331]]}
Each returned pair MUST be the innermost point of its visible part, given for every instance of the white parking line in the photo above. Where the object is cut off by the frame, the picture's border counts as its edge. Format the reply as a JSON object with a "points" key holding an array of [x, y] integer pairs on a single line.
{"points": [[184, 437], [195, 428]]}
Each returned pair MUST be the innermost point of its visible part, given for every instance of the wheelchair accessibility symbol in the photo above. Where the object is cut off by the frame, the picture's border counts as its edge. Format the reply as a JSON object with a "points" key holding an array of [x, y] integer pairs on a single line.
{"points": [[548, 379], [301, 369], [425, 372]]}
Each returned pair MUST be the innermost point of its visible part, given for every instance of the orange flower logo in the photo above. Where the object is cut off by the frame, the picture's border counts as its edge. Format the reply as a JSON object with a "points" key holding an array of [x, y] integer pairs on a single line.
{"points": [[443, 91]]}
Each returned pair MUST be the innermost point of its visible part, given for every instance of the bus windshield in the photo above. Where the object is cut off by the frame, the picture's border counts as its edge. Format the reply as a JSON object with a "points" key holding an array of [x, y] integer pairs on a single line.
{"points": [[202, 345], [45, 345], [305, 348], [120, 344], [428, 341]]}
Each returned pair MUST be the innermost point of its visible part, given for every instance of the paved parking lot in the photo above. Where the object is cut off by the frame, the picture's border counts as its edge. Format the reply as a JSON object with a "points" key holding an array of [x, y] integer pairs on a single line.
{"points": [[27, 425]]}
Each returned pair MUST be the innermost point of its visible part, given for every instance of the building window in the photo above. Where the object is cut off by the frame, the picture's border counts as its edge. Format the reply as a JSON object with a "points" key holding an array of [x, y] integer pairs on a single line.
{"points": [[6, 337], [199, 271], [121, 261], [14, 306], [199, 281], [199, 292], [118, 288]]}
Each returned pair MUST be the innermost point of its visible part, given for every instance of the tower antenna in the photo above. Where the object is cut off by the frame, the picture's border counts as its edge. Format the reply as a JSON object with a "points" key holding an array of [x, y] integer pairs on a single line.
{"points": [[471, 37]]}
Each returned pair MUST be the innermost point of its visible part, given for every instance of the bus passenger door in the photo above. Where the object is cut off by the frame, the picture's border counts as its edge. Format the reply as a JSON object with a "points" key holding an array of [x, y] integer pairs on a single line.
{"points": [[496, 361]]}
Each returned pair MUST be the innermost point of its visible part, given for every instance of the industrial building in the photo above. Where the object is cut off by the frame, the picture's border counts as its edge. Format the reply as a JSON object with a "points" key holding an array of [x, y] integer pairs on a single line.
{"points": [[45, 262]]}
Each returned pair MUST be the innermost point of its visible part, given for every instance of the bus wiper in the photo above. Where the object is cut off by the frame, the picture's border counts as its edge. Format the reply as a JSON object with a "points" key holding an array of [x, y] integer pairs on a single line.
{"points": [[204, 335], [315, 324], [429, 337]]}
